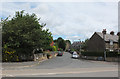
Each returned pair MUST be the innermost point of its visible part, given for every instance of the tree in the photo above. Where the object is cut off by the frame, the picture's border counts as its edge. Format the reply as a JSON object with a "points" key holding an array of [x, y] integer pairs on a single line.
{"points": [[68, 41], [68, 44], [61, 43], [84, 44], [23, 33]]}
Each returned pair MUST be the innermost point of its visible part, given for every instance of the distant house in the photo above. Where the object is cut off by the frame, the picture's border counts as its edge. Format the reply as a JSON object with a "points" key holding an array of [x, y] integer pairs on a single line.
{"points": [[98, 43], [76, 45]]}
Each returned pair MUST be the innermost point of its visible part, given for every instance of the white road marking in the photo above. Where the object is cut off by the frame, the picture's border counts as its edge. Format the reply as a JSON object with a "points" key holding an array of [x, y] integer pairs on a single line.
{"points": [[51, 73], [57, 73]]}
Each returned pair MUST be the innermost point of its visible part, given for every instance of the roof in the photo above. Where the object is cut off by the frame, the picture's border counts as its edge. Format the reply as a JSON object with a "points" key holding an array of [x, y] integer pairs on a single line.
{"points": [[109, 37], [76, 43]]}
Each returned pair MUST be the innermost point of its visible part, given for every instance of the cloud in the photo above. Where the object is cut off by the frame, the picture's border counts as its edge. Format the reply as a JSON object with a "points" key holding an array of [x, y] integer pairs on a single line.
{"points": [[70, 20]]}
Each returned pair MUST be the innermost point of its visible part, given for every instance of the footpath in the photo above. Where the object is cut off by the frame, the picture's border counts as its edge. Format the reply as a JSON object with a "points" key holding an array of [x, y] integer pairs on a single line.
{"points": [[9, 65]]}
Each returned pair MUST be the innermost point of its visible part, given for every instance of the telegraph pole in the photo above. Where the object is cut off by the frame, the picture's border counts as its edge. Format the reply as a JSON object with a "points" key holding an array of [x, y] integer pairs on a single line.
{"points": [[80, 45], [104, 33]]}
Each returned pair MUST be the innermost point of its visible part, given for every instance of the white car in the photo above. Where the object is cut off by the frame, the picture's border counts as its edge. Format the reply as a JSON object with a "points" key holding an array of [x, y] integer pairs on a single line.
{"points": [[75, 55]]}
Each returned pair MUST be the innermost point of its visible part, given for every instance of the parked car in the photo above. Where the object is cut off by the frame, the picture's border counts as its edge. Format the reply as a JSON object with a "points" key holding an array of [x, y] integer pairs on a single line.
{"points": [[71, 52], [60, 53], [75, 55]]}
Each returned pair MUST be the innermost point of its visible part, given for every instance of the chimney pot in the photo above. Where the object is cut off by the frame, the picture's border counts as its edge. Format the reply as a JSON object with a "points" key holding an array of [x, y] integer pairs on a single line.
{"points": [[104, 31], [118, 33], [112, 32]]}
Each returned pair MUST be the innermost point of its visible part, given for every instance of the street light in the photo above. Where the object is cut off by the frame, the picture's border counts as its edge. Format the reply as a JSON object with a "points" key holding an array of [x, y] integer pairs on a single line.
{"points": [[104, 32]]}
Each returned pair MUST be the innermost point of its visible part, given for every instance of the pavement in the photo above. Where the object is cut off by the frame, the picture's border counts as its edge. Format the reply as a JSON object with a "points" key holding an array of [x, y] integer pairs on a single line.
{"points": [[13, 65], [61, 66]]}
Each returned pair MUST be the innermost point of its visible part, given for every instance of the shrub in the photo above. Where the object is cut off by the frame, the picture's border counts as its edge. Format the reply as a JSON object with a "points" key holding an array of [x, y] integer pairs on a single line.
{"points": [[108, 54], [112, 54], [86, 53], [9, 55]]}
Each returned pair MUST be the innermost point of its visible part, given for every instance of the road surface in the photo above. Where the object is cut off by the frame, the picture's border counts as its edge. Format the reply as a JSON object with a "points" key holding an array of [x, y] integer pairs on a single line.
{"points": [[61, 66]]}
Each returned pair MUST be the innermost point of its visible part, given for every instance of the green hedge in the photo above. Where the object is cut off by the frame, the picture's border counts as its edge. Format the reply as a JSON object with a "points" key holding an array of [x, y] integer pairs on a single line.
{"points": [[112, 54], [108, 54], [86, 53]]}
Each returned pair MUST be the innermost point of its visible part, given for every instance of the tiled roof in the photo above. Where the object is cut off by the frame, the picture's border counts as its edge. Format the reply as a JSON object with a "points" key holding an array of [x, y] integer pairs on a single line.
{"points": [[109, 37], [76, 43]]}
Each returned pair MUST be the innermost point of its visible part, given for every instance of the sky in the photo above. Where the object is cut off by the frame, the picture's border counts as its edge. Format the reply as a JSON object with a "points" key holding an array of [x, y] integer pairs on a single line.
{"points": [[69, 20]]}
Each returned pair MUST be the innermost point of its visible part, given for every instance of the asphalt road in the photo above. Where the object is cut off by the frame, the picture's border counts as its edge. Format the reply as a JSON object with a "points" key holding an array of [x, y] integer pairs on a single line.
{"points": [[61, 66]]}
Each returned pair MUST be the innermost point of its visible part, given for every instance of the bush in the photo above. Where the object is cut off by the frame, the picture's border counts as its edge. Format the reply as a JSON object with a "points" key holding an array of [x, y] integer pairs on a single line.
{"points": [[108, 54], [86, 53], [9, 55], [112, 54]]}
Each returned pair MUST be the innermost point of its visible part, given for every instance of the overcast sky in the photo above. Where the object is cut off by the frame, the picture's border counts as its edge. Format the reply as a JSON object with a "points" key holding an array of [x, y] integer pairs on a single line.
{"points": [[69, 20]]}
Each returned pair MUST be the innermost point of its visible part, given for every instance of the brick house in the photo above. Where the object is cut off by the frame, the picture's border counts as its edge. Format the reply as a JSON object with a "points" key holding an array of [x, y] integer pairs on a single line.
{"points": [[97, 42]]}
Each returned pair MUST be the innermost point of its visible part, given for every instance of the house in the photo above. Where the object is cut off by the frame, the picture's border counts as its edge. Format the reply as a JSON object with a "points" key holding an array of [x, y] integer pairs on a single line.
{"points": [[76, 45], [100, 42]]}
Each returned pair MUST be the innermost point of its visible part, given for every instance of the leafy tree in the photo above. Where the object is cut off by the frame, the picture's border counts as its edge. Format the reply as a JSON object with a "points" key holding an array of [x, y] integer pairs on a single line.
{"points": [[68, 44], [61, 43], [68, 41], [84, 44], [23, 33]]}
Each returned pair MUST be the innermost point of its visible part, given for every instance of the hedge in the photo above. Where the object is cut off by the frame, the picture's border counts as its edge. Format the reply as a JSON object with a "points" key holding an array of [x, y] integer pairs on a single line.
{"points": [[108, 54], [112, 54]]}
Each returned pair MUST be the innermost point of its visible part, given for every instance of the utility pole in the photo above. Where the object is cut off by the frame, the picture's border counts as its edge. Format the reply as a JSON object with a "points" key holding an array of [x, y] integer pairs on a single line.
{"points": [[104, 33], [80, 45]]}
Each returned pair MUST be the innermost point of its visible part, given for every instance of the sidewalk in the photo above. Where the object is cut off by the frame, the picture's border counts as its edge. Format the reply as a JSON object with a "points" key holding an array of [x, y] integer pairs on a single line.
{"points": [[11, 65], [7, 65]]}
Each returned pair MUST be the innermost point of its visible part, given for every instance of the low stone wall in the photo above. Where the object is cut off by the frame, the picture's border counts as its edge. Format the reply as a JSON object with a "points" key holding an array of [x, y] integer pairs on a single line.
{"points": [[112, 59], [89, 57], [38, 57], [43, 56]]}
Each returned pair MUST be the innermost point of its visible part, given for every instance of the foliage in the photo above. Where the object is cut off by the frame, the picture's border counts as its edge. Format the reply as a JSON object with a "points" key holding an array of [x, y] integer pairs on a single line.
{"points": [[112, 54], [72, 49], [84, 44], [93, 53], [23, 33], [68, 44], [61, 43], [68, 41], [9, 55], [54, 48]]}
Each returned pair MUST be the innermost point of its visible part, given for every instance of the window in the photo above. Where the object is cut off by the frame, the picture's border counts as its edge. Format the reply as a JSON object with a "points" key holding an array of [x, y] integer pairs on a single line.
{"points": [[111, 42]]}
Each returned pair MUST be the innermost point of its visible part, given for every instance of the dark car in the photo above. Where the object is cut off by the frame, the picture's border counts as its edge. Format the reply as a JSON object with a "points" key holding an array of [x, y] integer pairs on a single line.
{"points": [[71, 52], [60, 53]]}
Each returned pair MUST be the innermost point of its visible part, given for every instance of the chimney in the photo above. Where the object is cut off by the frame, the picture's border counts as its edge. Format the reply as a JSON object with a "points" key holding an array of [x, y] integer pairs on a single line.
{"points": [[112, 32], [104, 31], [118, 33]]}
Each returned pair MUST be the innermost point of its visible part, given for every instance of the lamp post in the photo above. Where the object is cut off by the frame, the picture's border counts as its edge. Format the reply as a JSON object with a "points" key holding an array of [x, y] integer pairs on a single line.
{"points": [[104, 32]]}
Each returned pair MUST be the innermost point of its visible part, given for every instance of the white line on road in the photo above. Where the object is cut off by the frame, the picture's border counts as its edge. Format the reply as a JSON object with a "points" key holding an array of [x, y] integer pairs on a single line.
{"points": [[51, 73], [58, 73]]}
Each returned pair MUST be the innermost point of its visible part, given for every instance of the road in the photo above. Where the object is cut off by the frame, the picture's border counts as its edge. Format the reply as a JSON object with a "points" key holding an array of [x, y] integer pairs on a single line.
{"points": [[61, 66]]}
